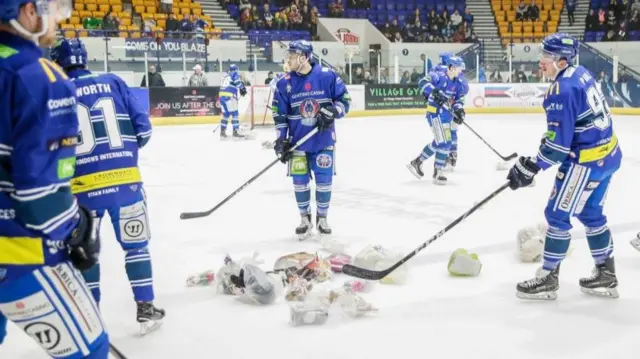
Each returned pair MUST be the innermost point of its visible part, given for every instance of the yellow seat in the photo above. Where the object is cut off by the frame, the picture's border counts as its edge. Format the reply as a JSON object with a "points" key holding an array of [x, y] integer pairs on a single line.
{"points": [[78, 6], [91, 7], [104, 8], [139, 9], [125, 21], [185, 10], [85, 13], [151, 9], [116, 8], [125, 14], [74, 20], [162, 23]]}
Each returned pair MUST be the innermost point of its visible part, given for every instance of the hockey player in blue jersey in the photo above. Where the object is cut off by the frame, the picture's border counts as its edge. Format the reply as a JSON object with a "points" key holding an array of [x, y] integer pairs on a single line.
{"points": [[457, 107], [580, 138], [440, 90], [45, 236], [307, 97], [230, 87], [113, 127]]}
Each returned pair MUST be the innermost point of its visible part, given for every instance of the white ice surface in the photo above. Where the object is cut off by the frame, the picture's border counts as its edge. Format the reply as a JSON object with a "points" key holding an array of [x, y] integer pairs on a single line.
{"points": [[375, 201]]}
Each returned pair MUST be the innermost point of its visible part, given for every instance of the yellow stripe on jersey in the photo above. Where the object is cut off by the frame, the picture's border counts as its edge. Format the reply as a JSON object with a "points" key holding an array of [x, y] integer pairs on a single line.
{"points": [[599, 152], [225, 94], [49, 69], [432, 109], [105, 179], [21, 251]]}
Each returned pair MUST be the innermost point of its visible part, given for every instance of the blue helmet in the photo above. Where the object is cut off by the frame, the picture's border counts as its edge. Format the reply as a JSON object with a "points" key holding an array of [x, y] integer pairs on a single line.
{"points": [[301, 47], [455, 61], [444, 56], [233, 68], [560, 46], [9, 9], [69, 53]]}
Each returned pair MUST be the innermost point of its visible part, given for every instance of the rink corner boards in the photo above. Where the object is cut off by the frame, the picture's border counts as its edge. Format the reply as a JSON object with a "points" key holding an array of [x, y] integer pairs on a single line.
{"points": [[202, 120]]}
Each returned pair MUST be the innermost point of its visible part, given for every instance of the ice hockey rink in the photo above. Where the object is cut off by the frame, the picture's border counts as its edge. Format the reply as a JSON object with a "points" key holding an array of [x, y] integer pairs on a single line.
{"points": [[376, 200]]}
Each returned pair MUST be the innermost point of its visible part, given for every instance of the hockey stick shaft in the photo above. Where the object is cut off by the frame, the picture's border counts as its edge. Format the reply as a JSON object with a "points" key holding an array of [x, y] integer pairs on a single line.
{"points": [[507, 158], [364, 273], [116, 352], [191, 215]]}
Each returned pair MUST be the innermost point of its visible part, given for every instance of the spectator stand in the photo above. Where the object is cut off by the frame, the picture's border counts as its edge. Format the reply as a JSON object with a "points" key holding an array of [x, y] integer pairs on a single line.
{"points": [[612, 21]]}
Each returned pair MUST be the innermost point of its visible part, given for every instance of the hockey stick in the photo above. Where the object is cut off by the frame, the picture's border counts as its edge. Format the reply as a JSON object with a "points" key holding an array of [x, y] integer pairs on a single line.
{"points": [[190, 215], [364, 273], [115, 352], [507, 158], [216, 129]]}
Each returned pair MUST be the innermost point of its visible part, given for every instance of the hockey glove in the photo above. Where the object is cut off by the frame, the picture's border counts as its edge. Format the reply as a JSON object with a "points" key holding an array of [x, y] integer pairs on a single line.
{"points": [[326, 117], [84, 244], [282, 148], [243, 91], [439, 97], [522, 173], [458, 115]]}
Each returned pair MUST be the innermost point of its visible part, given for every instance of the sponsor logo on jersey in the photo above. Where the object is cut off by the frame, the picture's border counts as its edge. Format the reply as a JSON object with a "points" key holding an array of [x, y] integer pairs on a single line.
{"points": [[71, 141], [66, 167], [554, 107], [61, 103], [324, 160], [309, 109]]}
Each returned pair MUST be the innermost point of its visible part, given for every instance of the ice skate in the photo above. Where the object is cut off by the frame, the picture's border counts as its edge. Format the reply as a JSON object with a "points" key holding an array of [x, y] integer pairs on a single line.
{"points": [[149, 317], [438, 177], [603, 281], [237, 135], [415, 167], [636, 242], [223, 133], [452, 160], [322, 226], [304, 230], [543, 287]]}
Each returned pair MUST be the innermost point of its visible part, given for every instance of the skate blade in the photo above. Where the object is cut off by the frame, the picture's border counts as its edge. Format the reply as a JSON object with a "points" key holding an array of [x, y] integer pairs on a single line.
{"points": [[413, 171], [635, 243], [150, 326], [304, 236], [439, 183], [537, 296], [601, 292]]}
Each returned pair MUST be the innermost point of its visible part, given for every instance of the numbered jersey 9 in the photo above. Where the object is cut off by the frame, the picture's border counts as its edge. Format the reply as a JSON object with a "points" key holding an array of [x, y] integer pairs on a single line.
{"points": [[113, 126]]}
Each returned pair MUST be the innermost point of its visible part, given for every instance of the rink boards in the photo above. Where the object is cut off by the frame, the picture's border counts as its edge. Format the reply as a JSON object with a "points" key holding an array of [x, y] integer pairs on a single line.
{"points": [[200, 106]]}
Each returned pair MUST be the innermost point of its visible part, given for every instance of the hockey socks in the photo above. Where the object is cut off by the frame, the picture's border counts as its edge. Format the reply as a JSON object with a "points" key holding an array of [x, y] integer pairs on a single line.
{"points": [[323, 198], [138, 267], [556, 246], [600, 243]]}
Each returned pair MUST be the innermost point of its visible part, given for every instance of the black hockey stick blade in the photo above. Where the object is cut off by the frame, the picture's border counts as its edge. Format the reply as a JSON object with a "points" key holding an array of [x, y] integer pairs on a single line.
{"points": [[192, 215], [364, 273], [115, 352]]}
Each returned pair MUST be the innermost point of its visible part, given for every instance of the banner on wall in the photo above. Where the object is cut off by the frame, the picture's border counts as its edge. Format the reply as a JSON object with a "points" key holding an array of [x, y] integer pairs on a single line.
{"points": [[523, 95], [183, 101], [393, 96], [166, 47]]}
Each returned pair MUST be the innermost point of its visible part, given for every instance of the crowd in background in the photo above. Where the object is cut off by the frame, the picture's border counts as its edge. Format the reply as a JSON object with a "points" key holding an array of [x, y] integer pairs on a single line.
{"points": [[443, 27], [297, 15], [616, 20]]}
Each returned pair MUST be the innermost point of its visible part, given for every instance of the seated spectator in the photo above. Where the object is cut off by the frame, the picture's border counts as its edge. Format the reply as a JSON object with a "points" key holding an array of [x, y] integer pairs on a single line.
{"points": [[243, 4], [443, 18], [110, 24], [602, 19], [496, 77], [314, 21], [198, 26], [458, 35], [267, 16], [336, 9], [397, 37], [295, 18], [610, 36], [386, 31], [521, 11], [469, 35], [634, 24], [447, 32], [172, 25], [468, 17], [147, 27], [405, 78], [591, 21], [611, 24], [280, 21], [415, 17], [186, 27], [432, 17], [533, 13], [456, 19], [166, 6], [246, 21]]}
